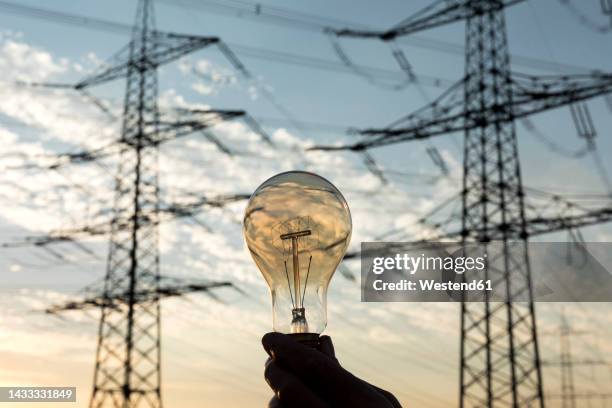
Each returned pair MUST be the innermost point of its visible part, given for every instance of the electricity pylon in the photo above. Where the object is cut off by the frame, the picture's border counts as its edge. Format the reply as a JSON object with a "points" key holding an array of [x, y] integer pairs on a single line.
{"points": [[128, 355], [499, 358], [569, 396], [568, 389], [127, 369]]}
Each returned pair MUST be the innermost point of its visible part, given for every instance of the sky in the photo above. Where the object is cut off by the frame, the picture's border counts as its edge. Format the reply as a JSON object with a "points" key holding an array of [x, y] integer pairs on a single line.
{"points": [[211, 350]]}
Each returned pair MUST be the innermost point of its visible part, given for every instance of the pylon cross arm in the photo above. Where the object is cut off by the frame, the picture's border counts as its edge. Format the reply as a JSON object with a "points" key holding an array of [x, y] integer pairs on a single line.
{"points": [[118, 299], [187, 121], [539, 225], [533, 94], [159, 48], [530, 95], [164, 213], [439, 13]]}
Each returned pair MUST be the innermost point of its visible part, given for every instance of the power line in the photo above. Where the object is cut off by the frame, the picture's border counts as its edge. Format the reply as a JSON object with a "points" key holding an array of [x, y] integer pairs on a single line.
{"points": [[293, 19], [332, 66], [580, 115], [247, 51], [280, 56], [585, 20], [552, 145], [357, 70]]}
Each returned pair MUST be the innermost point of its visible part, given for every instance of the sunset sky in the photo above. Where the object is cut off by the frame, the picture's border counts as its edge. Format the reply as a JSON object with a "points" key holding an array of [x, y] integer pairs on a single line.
{"points": [[212, 355]]}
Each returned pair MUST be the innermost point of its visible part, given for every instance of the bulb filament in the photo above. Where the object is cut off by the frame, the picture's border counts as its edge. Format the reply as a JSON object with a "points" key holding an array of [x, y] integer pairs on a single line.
{"points": [[298, 323]]}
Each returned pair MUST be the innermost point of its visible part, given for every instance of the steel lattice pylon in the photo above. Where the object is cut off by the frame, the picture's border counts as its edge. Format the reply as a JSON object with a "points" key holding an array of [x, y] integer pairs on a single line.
{"points": [[568, 391], [127, 370], [500, 364]]}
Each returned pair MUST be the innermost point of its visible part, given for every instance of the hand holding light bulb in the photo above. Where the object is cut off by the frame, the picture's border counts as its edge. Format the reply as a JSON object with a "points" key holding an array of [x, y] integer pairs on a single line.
{"points": [[301, 376], [297, 227]]}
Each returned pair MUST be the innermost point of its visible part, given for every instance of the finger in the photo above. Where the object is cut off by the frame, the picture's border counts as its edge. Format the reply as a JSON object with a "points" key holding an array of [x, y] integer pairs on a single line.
{"points": [[327, 347], [289, 390], [310, 365], [274, 403], [388, 396], [267, 341]]}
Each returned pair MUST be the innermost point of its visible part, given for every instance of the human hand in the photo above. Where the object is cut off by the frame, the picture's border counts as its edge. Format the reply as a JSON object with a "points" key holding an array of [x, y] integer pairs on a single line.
{"points": [[301, 376]]}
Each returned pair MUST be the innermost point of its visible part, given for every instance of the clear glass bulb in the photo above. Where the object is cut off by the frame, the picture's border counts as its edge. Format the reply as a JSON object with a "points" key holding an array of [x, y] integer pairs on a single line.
{"points": [[297, 226]]}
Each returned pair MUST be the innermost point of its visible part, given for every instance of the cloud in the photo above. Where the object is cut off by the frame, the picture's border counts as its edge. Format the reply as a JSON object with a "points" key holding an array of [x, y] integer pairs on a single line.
{"points": [[23, 62], [47, 122], [210, 77]]}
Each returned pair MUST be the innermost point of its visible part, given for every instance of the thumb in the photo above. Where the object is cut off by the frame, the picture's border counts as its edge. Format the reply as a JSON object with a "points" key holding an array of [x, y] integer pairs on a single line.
{"points": [[310, 365], [327, 347]]}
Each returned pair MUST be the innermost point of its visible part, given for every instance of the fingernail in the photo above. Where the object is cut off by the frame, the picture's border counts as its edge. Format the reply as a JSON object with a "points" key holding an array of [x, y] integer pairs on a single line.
{"points": [[269, 351]]}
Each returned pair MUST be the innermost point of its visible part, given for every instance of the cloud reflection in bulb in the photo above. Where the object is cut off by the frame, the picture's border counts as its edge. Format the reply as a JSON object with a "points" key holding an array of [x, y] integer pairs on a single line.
{"points": [[297, 226]]}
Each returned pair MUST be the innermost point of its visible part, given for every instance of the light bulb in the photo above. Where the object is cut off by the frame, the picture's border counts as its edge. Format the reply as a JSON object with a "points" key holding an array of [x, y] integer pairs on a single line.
{"points": [[297, 226]]}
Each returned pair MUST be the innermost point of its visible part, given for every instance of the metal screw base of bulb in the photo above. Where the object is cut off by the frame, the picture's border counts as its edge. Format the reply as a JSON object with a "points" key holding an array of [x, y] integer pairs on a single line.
{"points": [[307, 339]]}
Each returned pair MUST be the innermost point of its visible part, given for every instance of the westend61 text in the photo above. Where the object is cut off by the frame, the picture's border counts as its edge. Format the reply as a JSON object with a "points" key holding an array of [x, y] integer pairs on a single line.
{"points": [[432, 285]]}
